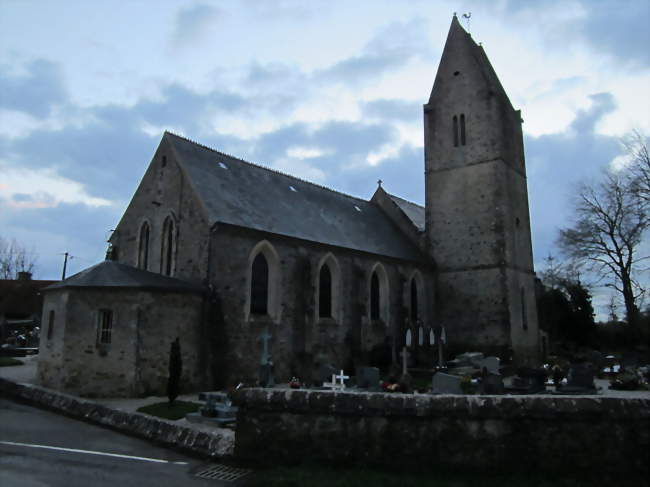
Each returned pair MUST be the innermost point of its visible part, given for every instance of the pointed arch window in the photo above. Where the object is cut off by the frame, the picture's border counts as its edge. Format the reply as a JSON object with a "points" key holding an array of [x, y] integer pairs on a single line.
{"points": [[263, 283], [143, 247], [375, 297], [260, 285], [459, 132], [168, 248], [325, 292], [379, 294]]}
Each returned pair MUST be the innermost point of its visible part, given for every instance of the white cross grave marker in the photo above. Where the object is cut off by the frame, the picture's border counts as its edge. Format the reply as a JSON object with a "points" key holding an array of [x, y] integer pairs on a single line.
{"points": [[342, 378], [332, 385], [405, 358]]}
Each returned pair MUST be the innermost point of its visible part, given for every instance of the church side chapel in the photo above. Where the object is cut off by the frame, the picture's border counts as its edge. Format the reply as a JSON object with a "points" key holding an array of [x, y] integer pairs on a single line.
{"points": [[223, 253]]}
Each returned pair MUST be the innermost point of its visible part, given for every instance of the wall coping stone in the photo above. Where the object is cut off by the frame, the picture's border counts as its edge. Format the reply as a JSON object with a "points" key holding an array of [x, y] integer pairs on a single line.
{"points": [[588, 408], [167, 433]]}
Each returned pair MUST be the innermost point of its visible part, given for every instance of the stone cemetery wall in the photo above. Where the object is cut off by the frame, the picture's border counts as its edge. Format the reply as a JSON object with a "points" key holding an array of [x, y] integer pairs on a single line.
{"points": [[423, 432], [214, 443]]}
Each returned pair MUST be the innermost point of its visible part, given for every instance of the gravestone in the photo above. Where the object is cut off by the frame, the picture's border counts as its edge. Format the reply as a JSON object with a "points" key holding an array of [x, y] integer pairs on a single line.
{"points": [[266, 364], [446, 384], [218, 410], [333, 385], [528, 381], [405, 359], [325, 373], [580, 380], [471, 357], [596, 358], [368, 378], [490, 363], [492, 384]]}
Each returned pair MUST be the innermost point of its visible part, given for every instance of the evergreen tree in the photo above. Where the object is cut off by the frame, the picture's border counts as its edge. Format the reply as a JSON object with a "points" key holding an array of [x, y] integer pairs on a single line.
{"points": [[175, 370]]}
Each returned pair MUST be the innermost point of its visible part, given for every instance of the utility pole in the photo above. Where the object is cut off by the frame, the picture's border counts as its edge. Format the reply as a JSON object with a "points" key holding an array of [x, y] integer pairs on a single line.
{"points": [[65, 264]]}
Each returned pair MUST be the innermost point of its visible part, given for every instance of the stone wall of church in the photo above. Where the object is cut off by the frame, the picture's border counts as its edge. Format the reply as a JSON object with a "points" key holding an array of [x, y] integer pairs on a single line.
{"points": [[301, 340], [164, 192], [136, 361]]}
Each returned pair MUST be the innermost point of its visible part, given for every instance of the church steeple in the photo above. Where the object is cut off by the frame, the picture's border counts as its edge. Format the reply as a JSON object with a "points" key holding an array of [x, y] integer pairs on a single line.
{"points": [[477, 221]]}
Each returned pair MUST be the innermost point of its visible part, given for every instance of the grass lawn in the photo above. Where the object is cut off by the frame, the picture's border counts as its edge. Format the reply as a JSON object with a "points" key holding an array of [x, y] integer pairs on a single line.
{"points": [[8, 361], [339, 477], [177, 410]]}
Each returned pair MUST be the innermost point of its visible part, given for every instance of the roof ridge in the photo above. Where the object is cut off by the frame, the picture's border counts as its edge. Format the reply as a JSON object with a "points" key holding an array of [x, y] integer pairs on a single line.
{"points": [[405, 200], [276, 171]]}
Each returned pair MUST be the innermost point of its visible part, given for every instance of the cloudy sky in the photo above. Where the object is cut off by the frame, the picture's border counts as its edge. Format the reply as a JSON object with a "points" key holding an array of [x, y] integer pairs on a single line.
{"points": [[331, 91]]}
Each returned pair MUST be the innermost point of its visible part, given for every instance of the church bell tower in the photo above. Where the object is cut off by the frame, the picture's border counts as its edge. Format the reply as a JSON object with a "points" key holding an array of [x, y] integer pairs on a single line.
{"points": [[477, 219]]}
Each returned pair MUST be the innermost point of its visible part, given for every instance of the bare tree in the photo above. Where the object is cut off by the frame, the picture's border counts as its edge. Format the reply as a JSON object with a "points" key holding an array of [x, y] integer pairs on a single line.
{"points": [[639, 165], [14, 258], [610, 220]]}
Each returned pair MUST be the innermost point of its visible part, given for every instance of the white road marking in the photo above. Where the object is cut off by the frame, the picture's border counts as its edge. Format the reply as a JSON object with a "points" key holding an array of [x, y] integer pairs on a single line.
{"points": [[90, 452]]}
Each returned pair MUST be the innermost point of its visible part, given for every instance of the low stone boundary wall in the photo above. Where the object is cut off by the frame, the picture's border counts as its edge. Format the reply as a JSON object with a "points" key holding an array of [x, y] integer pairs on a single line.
{"points": [[141, 425], [591, 435]]}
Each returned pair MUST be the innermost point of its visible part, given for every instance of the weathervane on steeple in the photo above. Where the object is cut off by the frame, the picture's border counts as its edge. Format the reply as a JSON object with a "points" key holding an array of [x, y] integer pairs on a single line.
{"points": [[467, 17]]}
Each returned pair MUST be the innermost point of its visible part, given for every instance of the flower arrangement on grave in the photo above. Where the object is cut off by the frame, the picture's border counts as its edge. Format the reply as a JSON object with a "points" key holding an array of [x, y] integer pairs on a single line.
{"points": [[390, 385], [630, 380], [294, 383], [466, 385]]}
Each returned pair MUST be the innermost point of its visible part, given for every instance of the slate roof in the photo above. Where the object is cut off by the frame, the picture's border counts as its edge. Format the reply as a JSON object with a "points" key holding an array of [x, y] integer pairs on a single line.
{"points": [[259, 198], [413, 211], [111, 274]]}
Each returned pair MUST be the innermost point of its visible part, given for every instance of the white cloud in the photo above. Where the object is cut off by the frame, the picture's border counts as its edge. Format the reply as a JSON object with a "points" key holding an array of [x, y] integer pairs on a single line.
{"points": [[298, 152], [42, 188]]}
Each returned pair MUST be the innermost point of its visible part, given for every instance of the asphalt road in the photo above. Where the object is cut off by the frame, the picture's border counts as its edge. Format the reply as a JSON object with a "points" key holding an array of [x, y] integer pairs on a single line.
{"points": [[39, 448]]}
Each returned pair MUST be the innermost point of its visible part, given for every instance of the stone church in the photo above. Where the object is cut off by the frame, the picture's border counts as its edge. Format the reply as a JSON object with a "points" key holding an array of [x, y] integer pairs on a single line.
{"points": [[218, 251]]}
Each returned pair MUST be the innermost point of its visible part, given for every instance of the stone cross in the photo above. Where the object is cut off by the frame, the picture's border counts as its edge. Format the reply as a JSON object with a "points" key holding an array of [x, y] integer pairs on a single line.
{"points": [[405, 358], [341, 378], [332, 385], [265, 337]]}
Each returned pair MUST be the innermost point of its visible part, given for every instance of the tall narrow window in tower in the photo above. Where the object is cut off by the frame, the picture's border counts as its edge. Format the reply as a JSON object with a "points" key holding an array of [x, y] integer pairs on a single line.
{"points": [[168, 245], [143, 247], [325, 292], [260, 285], [374, 297], [414, 302], [524, 314], [462, 129], [455, 131]]}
